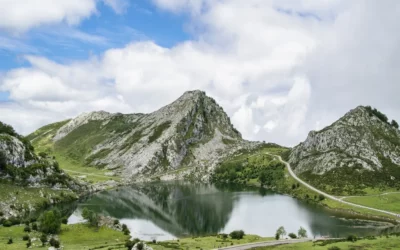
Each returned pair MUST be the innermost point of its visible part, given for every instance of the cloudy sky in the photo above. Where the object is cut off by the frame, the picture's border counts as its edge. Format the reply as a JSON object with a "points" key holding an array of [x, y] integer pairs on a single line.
{"points": [[279, 68]]}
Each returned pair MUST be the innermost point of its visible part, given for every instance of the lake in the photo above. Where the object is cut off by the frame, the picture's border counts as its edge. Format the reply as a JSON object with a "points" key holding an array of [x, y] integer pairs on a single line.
{"points": [[165, 211]]}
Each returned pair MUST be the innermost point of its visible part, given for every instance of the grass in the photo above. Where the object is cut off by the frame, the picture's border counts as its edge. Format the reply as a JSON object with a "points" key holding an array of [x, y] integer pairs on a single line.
{"points": [[80, 236], [72, 237], [390, 202], [208, 242], [373, 244], [76, 169], [24, 197]]}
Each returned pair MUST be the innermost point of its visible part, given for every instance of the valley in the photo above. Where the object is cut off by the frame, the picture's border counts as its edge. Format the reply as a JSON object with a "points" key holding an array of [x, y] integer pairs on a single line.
{"points": [[184, 171]]}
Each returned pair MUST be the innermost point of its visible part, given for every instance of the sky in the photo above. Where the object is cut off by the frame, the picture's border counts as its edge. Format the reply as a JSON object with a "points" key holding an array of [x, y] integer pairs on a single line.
{"points": [[279, 68]]}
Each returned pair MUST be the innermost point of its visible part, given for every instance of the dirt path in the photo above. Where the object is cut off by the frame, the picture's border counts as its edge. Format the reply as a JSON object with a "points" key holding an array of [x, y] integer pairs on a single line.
{"points": [[328, 195]]}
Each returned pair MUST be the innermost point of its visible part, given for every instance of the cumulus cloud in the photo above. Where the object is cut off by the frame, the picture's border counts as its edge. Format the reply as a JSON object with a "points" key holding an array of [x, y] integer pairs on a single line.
{"points": [[22, 15], [279, 68]]}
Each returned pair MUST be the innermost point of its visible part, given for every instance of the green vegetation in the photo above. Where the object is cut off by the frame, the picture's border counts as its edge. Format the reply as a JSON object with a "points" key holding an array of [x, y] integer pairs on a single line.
{"points": [[23, 198], [280, 233], [302, 233], [207, 242], [237, 235], [368, 243], [390, 201], [248, 167], [72, 237], [9, 130], [159, 130], [91, 217], [50, 222]]}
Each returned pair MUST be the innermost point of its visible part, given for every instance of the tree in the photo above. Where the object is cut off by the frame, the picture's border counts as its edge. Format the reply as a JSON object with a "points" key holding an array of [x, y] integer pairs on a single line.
{"points": [[302, 233], [281, 231], [262, 178], [50, 222], [3, 160], [238, 234], [140, 246], [91, 217], [394, 124], [292, 236]]}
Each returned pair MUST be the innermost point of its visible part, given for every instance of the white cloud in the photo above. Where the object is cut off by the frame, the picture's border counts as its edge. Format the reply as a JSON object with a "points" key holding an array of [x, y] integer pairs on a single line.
{"points": [[21, 15], [279, 68]]}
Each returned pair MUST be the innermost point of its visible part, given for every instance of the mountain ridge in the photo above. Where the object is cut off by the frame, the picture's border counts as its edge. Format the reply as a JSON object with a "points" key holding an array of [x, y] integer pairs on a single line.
{"points": [[358, 150], [188, 136]]}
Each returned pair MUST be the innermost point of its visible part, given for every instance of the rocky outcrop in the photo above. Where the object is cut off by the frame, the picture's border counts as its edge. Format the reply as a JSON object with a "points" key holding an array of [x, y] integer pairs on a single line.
{"points": [[360, 140], [184, 139]]}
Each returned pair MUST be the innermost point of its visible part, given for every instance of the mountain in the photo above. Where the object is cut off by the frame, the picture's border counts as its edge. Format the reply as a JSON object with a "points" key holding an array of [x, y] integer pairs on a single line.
{"points": [[183, 139], [20, 165], [360, 150]]}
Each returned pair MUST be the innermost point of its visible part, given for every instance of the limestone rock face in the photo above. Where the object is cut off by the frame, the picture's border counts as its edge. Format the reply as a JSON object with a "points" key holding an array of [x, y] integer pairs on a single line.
{"points": [[359, 139], [185, 138]]}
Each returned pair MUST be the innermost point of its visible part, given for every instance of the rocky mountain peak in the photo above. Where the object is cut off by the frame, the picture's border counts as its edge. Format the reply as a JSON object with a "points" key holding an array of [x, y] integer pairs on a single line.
{"points": [[191, 132], [362, 139]]}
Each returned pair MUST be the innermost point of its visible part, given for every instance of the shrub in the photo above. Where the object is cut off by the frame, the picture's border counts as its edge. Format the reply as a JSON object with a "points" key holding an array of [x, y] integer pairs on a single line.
{"points": [[7, 223], [50, 222], [224, 236], [43, 239], [91, 216], [10, 241], [34, 227], [27, 229], [321, 197], [276, 236], [29, 243], [25, 237], [352, 238], [116, 222], [394, 124], [292, 235], [237, 235], [140, 246], [64, 220], [54, 243]]}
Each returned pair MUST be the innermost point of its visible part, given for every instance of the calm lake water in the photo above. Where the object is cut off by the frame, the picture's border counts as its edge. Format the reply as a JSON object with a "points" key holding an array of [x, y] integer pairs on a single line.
{"points": [[166, 211]]}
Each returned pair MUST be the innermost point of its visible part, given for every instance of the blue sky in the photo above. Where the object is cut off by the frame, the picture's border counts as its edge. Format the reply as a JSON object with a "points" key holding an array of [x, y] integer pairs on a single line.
{"points": [[106, 29]]}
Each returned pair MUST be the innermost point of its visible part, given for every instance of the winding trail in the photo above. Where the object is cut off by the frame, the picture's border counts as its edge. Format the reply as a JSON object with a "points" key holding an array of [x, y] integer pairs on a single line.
{"points": [[328, 195]]}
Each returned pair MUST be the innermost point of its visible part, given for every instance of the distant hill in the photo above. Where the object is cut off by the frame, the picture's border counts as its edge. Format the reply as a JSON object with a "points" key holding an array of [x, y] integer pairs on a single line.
{"points": [[360, 150], [184, 139]]}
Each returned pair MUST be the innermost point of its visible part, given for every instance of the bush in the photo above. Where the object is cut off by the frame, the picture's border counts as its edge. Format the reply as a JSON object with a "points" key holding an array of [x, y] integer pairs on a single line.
{"points": [[140, 246], [10, 241], [25, 237], [43, 239], [116, 222], [276, 236], [64, 220], [27, 229], [50, 222], [352, 238], [321, 197], [130, 243], [7, 223], [292, 235], [28, 244], [91, 216], [54, 243], [34, 227], [237, 235]]}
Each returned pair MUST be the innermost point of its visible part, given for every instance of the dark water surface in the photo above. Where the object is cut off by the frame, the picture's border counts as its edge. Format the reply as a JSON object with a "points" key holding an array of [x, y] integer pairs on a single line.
{"points": [[165, 211]]}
